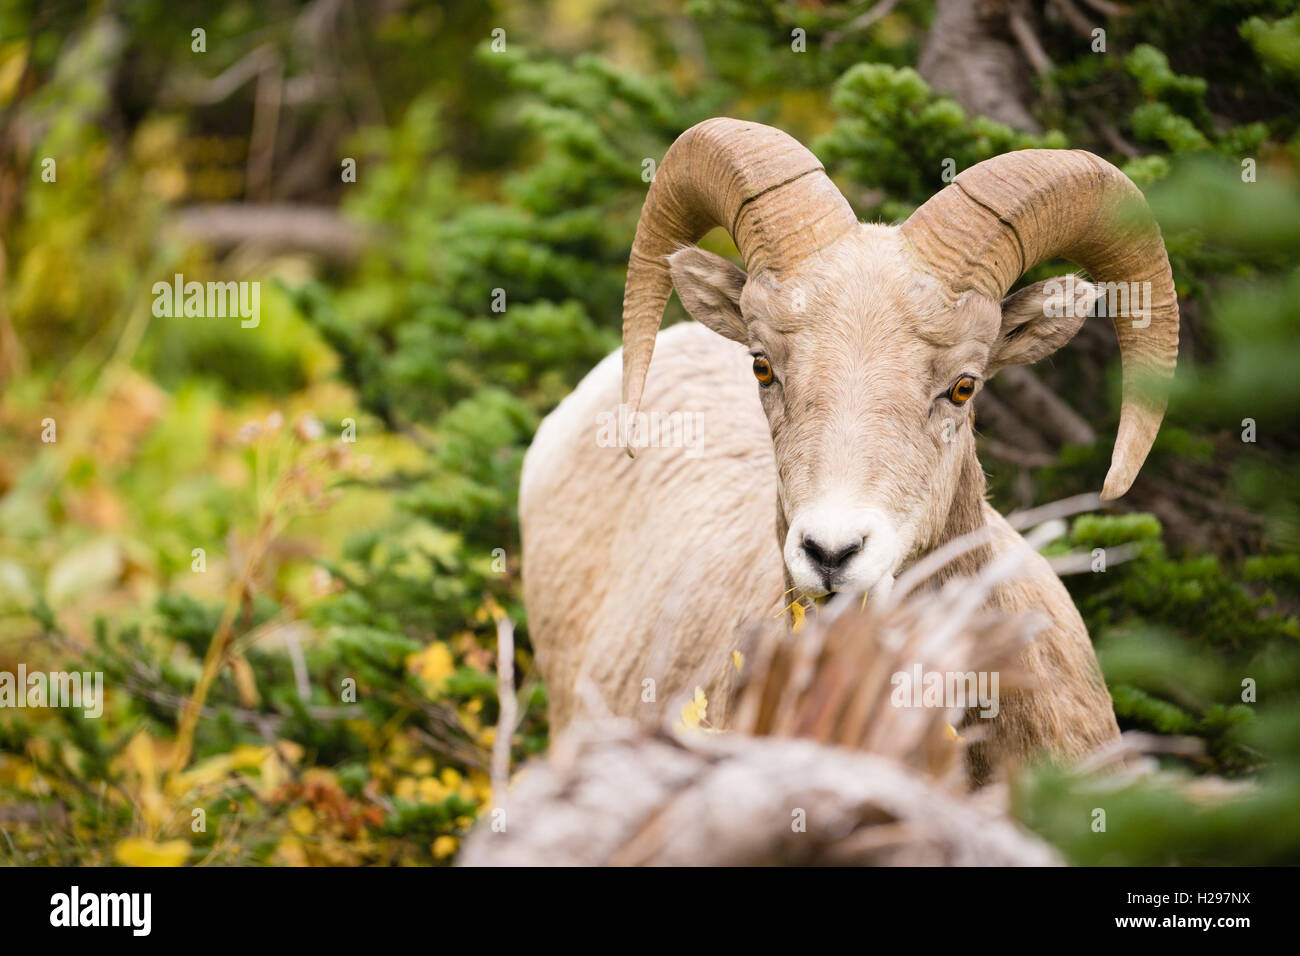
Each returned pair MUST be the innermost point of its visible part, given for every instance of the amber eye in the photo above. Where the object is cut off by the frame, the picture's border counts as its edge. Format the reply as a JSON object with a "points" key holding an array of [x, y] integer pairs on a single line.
{"points": [[763, 370], [962, 390]]}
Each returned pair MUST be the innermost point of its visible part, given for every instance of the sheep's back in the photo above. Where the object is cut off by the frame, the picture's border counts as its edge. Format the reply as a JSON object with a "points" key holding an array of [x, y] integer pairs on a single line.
{"points": [[651, 568]]}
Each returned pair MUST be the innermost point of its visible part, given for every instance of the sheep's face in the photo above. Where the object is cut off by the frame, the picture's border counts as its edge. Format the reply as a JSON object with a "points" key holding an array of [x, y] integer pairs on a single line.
{"points": [[868, 378]]}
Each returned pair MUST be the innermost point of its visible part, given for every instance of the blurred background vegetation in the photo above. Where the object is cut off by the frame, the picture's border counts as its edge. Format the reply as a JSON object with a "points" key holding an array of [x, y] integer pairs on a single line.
{"points": [[392, 173]]}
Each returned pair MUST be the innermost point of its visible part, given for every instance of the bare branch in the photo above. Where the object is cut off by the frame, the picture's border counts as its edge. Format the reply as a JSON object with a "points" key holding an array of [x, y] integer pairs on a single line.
{"points": [[1027, 39], [1016, 456], [1007, 424], [1108, 8], [201, 92], [278, 227], [1079, 562], [1075, 17], [1039, 404], [859, 23], [1032, 517], [507, 708]]}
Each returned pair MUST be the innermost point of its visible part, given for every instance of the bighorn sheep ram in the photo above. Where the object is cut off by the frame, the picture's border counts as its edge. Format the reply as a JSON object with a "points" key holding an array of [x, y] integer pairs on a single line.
{"points": [[870, 344]]}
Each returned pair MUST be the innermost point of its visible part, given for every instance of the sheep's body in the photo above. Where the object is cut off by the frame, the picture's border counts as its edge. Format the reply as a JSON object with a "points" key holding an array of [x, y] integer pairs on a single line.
{"points": [[683, 552], [661, 582], [846, 452]]}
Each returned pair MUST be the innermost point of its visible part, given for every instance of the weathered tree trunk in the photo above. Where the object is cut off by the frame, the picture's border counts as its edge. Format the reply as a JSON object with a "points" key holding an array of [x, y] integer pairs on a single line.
{"points": [[616, 794], [821, 764], [972, 56]]}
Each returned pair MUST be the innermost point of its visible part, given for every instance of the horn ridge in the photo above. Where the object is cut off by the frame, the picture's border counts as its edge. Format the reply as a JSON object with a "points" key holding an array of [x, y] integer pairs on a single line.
{"points": [[768, 190], [1005, 215]]}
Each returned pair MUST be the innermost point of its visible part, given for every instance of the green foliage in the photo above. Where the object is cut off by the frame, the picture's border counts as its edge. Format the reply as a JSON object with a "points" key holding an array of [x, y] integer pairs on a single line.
{"points": [[1160, 825], [757, 51], [1187, 651], [1277, 43], [894, 134], [1151, 69], [1192, 646]]}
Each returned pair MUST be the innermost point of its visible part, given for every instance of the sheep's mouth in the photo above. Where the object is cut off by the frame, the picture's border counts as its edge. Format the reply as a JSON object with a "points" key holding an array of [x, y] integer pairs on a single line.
{"points": [[873, 593]]}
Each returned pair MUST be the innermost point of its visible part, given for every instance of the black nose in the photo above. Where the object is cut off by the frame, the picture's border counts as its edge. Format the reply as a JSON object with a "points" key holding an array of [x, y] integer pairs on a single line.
{"points": [[826, 561]]}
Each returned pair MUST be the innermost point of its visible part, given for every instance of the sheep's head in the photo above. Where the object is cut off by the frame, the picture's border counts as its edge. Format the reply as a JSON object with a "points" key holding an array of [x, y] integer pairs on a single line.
{"points": [[868, 379], [870, 343]]}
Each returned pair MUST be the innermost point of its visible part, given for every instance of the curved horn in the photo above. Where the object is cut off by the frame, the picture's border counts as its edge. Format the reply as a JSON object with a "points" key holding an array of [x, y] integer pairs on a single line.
{"points": [[1007, 214], [768, 191]]}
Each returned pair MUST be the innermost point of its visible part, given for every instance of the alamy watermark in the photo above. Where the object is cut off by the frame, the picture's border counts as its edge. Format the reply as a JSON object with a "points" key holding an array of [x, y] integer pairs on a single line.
{"points": [[946, 689], [133, 911], [77, 689], [650, 430], [211, 300], [1114, 300]]}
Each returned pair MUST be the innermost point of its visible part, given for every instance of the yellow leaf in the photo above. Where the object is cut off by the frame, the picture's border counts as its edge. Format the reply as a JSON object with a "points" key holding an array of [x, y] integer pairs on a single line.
{"points": [[136, 851], [11, 71], [797, 613], [143, 757], [481, 785], [245, 682], [272, 770], [215, 770], [444, 846], [493, 609], [422, 767], [433, 666], [302, 820], [432, 790], [738, 659], [291, 852], [695, 709], [469, 720], [951, 733]]}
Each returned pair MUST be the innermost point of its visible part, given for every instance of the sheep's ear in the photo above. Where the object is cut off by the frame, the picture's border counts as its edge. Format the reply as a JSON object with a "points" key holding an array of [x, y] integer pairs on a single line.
{"points": [[1041, 318], [709, 286]]}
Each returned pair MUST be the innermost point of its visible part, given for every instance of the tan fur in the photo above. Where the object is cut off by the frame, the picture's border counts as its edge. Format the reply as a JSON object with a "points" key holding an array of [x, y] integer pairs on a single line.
{"points": [[657, 582], [650, 569], [640, 577]]}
